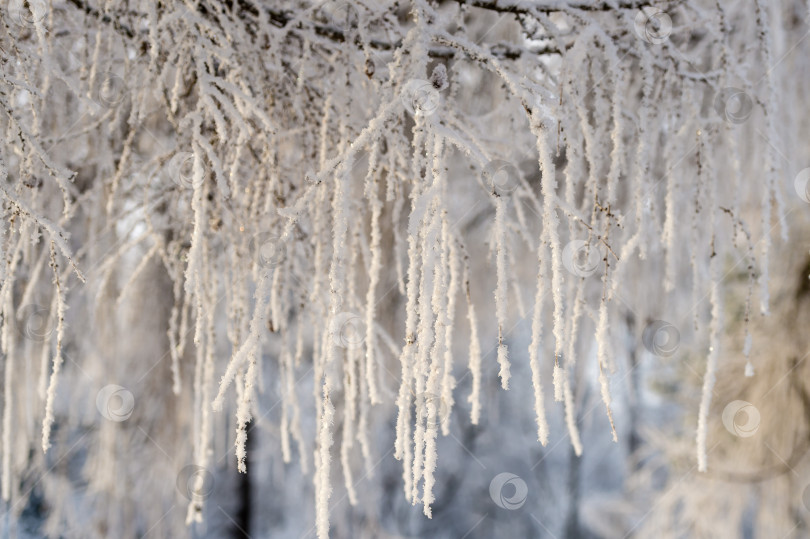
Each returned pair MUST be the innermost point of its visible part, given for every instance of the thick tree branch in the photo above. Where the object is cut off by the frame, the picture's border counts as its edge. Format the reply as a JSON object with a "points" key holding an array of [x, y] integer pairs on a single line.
{"points": [[508, 6]]}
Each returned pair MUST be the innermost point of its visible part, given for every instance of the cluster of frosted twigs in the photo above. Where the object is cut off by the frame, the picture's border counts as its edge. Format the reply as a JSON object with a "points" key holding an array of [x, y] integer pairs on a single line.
{"points": [[286, 165]]}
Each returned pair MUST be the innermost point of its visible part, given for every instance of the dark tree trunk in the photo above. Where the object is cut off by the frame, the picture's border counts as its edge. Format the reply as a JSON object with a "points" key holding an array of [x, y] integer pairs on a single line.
{"points": [[241, 527]]}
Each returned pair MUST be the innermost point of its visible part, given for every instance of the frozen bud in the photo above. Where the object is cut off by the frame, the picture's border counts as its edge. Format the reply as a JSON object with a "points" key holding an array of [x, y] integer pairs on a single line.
{"points": [[439, 77]]}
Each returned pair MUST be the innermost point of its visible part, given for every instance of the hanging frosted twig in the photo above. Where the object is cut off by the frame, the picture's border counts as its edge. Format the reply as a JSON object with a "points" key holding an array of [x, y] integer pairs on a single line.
{"points": [[500, 292], [534, 351], [47, 423]]}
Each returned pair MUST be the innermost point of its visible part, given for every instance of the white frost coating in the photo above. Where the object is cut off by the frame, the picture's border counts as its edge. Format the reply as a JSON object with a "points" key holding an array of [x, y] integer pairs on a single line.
{"points": [[47, 422], [603, 349], [749, 367], [534, 352], [475, 354], [558, 379], [402, 445], [550, 224], [323, 485], [428, 292], [710, 377], [337, 284], [715, 327], [771, 195], [571, 416], [448, 381], [576, 315], [435, 408], [500, 292], [55, 233], [8, 397], [371, 188]]}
